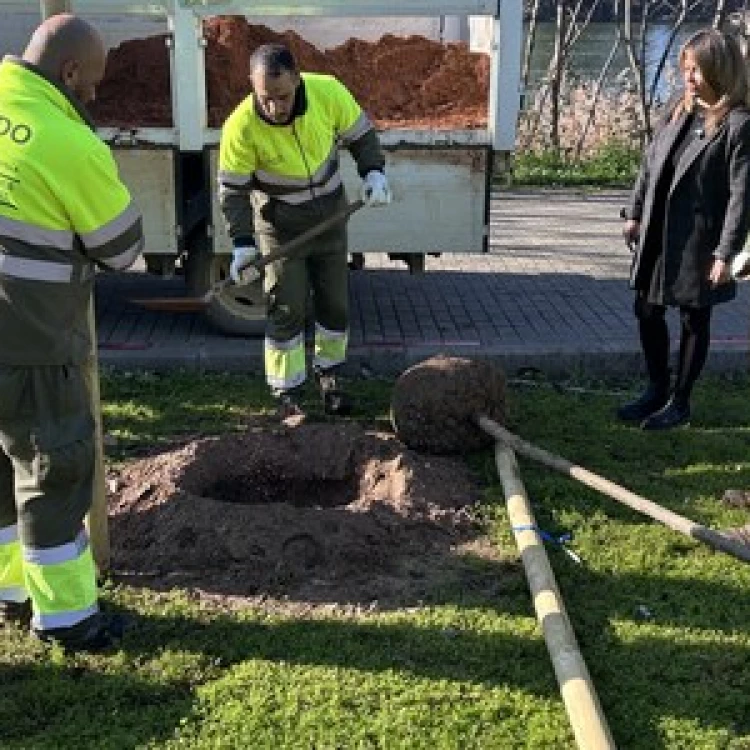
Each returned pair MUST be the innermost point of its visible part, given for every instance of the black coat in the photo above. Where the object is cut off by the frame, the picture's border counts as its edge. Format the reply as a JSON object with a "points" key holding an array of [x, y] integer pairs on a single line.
{"points": [[706, 216]]}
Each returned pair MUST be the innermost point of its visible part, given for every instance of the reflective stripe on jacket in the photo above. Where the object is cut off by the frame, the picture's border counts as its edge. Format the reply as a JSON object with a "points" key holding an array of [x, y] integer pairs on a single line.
{"points": [[292, 165], [63, 208]]}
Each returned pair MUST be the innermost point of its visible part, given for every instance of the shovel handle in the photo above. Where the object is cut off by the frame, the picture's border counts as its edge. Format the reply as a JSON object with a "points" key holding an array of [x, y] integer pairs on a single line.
{"points": [[262, 261]]}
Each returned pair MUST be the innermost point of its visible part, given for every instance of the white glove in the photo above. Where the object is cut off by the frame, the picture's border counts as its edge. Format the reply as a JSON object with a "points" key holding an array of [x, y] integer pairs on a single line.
{"points": [[375, 190], [240, 257], [739, 268]]}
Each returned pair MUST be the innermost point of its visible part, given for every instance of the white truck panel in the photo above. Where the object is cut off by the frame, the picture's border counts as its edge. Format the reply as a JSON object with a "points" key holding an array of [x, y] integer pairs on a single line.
{"points": [[150, 177], [439, 204]]}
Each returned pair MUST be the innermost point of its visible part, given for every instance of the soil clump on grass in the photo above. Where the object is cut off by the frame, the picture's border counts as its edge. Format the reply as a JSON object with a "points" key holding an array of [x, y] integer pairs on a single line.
{"points": [[435, 403], [322, 514]]}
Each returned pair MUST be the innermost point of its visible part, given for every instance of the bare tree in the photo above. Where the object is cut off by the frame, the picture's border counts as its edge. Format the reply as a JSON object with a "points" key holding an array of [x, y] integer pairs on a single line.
{"points": [[569, 26], [720, 15], [529, 46], [557, 67]]}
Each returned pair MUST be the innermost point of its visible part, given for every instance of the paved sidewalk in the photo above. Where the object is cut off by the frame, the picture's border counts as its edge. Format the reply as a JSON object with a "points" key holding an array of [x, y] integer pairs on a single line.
{"points": [[551, 294]]}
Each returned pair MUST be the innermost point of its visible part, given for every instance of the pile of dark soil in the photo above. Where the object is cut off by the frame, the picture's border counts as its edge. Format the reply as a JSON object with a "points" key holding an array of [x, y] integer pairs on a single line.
{"points": [[318, 514]]}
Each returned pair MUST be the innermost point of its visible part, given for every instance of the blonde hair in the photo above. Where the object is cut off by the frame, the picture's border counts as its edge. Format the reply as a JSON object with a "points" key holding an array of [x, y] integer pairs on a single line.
{"points": [[719, 57]]}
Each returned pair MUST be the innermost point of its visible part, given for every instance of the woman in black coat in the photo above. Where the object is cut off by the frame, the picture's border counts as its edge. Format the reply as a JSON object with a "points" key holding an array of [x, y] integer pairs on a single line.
{"points": [[688, 218]]}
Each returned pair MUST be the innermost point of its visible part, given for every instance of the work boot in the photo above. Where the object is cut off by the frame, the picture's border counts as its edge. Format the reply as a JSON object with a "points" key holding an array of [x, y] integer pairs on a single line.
{"points": [[15, 613], [675, 413], [289, 404], [335, 400], [100, 632], [653, 399]]}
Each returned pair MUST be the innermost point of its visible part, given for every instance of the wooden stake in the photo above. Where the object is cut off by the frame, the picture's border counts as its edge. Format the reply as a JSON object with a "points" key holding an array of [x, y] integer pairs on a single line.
{"points": [[578, 693], [97, 520], [616, 492]]}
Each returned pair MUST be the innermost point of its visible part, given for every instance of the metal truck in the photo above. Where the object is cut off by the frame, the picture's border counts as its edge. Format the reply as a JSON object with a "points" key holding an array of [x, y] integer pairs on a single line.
{"points": [[441, 178]]}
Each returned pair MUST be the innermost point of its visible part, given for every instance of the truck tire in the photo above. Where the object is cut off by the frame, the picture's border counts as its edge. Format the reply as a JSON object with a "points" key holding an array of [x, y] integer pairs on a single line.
{"points": [[238, 311]]}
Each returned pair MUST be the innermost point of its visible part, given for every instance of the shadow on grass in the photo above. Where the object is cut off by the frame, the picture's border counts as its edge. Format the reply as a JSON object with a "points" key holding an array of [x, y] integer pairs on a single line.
{"points": [[650, 645], [69, 705], [646, 671]]}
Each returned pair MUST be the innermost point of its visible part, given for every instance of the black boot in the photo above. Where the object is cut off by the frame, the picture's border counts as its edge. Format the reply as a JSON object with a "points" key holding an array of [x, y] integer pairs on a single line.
{"points": [[99, 633], [15, 613], [335, 400], [289, 404], [653, 399], [675, 413]]}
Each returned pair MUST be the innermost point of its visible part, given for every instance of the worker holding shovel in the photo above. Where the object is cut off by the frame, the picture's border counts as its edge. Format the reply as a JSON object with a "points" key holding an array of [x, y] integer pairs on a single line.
{"points": [[63, 209], [278, 178]]}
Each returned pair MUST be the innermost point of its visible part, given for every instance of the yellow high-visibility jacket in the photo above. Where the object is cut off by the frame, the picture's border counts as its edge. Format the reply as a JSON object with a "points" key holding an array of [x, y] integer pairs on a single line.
{"points": [[289, 174], [63, 208]]}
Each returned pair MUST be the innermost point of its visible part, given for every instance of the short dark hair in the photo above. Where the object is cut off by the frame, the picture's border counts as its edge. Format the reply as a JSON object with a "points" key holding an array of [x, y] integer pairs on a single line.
{"points": [[273, 59]]}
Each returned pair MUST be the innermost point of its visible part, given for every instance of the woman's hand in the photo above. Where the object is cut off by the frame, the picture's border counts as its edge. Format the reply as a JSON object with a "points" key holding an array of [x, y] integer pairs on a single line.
{"points": [[719, 273], [630, 232]]}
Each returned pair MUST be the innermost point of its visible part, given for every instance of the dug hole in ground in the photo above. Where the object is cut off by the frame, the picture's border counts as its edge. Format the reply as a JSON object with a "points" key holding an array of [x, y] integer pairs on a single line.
{"points": [[323, 514], [318, 514]]}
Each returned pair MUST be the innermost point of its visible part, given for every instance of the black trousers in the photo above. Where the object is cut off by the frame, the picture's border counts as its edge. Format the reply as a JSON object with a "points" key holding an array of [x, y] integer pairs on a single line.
{"points": [[695, 335]]}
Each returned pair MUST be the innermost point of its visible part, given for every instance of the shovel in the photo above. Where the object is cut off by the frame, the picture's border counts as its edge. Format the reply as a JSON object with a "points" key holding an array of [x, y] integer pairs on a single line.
{"points": [[196, 304]]}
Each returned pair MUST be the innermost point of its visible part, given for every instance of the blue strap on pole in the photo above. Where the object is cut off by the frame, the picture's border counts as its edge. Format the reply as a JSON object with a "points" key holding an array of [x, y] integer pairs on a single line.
{"points": [[560, 541]]}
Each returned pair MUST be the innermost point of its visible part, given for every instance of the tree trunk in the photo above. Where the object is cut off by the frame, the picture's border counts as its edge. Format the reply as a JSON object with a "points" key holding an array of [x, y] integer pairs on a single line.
{"points": [[529, 47], [558, 68]]}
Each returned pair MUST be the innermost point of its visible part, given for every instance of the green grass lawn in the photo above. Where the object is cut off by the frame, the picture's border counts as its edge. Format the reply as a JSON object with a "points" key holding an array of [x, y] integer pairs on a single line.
{"points": [[463, 671]]}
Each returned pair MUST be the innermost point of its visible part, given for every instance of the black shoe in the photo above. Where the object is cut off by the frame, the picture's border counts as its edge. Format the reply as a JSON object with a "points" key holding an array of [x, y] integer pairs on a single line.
{"points": [[289, 405], [654, 398], [674, 414], [101, 632], [15, 613], [335, 400]]}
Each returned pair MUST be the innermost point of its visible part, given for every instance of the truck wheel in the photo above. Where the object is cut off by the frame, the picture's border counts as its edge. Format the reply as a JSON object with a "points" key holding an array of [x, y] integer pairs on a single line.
{"points": [[239, 311], [415, 263]]}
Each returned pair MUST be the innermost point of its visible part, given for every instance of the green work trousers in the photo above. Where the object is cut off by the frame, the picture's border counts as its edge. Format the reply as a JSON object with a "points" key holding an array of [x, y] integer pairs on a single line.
{"points": [[47, 458], [319, 267]]}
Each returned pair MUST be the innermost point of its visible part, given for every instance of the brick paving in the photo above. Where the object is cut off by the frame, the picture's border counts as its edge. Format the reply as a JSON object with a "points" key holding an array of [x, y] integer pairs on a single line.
{"points": [[551, 294]]}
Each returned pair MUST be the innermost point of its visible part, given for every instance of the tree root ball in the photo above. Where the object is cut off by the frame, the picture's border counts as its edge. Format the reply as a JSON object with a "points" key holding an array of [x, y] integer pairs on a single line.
{"points": [[435, 402]]}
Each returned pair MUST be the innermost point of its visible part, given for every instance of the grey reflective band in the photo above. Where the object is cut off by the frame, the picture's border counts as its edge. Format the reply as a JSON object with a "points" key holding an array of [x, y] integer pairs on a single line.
{"points": [[327, 333], [112, 229], [9, 534], [287, 384], [302, 196], [61, 239], [15, 594], [60, 554], [35, 270], [234, 179], [124, 260], [360, 127], [327, 168], [285, 346], [62, 619]]}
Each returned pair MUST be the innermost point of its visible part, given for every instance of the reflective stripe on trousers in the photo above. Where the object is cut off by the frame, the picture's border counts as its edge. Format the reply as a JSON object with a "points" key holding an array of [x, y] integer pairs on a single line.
{"points": [[60, 583], [46, 486], [285, 362], [12, 587], [330, 347], [57, 579]]}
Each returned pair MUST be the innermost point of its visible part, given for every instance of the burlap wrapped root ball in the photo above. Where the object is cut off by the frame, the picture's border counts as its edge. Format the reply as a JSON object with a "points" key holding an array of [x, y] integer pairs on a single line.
{"points": [[435, 402]]}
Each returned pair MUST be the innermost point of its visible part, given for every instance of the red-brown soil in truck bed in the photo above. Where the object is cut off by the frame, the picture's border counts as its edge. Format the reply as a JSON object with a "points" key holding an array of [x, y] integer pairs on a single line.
{"points": [[318, 515], [408, 82]]}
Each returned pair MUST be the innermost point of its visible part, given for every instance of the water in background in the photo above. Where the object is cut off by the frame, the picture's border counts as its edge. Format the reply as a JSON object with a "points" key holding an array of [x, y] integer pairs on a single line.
{"points": [[591, 51]]}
